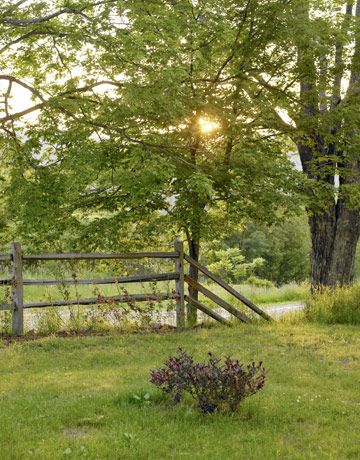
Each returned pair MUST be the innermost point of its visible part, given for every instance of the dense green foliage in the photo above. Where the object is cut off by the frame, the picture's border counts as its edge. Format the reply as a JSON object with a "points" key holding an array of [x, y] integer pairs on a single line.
{"points": [[120, 151], [85, 397], [284, 249]]}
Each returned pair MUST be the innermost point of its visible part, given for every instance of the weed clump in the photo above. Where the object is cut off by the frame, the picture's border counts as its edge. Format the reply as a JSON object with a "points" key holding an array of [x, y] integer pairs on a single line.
{"points": [[335, 306]]}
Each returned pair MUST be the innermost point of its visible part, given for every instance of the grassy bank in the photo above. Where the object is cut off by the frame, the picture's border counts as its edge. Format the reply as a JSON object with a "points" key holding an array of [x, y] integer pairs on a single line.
{"points": [[74, 398]]}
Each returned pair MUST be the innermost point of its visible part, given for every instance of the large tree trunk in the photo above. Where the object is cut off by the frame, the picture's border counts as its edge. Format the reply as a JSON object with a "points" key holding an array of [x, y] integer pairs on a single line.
{"points": [[334, 237], [334, 231]]}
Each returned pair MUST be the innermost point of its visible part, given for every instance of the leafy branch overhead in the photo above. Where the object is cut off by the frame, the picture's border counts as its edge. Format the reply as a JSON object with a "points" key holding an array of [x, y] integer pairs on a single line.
{"points": [[132, 116]]}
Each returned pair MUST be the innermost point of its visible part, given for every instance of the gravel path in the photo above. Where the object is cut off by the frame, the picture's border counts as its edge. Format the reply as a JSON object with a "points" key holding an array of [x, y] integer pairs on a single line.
{"points": [[281, 309]]}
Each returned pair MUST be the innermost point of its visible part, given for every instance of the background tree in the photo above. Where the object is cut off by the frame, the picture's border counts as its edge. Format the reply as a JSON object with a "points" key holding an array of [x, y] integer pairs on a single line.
{"points": [[152, 117], [283, 247], [230, 264]]}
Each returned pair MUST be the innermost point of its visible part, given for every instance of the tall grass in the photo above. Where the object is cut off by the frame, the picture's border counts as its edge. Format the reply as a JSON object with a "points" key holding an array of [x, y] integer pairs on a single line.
{"points": [[263, 295], [341, 305]]}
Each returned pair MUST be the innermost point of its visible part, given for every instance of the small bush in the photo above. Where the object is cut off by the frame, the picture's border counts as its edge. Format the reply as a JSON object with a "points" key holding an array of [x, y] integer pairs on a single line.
{"points": [[259, 282], [230, 264], [331, 306], [215, 386]]}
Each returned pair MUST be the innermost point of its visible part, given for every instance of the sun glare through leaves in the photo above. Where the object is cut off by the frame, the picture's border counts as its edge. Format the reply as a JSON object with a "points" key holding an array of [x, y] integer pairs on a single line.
{"points": [[207, 125]]}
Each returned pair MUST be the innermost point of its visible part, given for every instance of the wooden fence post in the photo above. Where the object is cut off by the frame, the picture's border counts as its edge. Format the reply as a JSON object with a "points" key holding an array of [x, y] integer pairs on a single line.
{"points": [[179, 285], [17, 296]]}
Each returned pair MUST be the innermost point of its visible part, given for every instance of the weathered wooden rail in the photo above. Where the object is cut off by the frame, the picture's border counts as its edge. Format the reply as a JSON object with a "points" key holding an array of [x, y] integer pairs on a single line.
{"points": [[17, 283]]}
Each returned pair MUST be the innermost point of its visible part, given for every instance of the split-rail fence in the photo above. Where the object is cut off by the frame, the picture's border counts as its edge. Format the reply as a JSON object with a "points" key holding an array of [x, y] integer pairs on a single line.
{"points": [[17, 283]]}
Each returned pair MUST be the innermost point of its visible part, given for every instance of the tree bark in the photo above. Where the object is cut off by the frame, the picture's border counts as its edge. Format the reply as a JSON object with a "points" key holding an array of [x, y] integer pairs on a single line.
{"points": [[322, 230], [334, 237], [347, 234]]}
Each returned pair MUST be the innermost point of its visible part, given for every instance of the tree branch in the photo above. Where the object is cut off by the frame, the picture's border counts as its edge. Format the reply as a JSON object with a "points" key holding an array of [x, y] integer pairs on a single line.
{"points": [[23, 84], [339, 65], [44, 103], [11, 132], [275, 122], [30, 34], [17, 115], [232, 54], [35, 21]]}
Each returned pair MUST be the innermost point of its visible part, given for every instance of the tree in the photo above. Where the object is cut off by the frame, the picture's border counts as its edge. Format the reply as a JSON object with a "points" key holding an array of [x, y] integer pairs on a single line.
{"points": [[284, 247], [159, 123], [329, 147], [312, 93]]}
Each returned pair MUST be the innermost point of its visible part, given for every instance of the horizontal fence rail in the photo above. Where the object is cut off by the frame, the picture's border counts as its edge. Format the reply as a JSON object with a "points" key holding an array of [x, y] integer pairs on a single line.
{"points": [[95, 256], [127, 279], [126, 298], [121, 255]]}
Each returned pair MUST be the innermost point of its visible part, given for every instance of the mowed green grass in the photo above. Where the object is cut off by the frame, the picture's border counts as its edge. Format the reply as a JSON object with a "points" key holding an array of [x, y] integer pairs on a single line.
{"points": [[73, 397]]}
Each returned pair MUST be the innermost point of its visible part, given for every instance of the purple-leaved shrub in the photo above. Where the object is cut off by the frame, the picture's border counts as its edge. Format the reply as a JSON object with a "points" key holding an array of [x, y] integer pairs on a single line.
{"points": [[215, 385]]}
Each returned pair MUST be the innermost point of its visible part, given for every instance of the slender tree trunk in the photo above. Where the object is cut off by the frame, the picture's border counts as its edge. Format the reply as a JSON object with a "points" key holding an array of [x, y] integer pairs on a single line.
{"points": [[193, 233], [194, 250]]}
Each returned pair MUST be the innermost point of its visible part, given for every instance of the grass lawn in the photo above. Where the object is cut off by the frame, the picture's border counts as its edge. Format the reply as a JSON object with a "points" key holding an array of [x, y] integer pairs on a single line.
{"points": [[73, 397]]}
